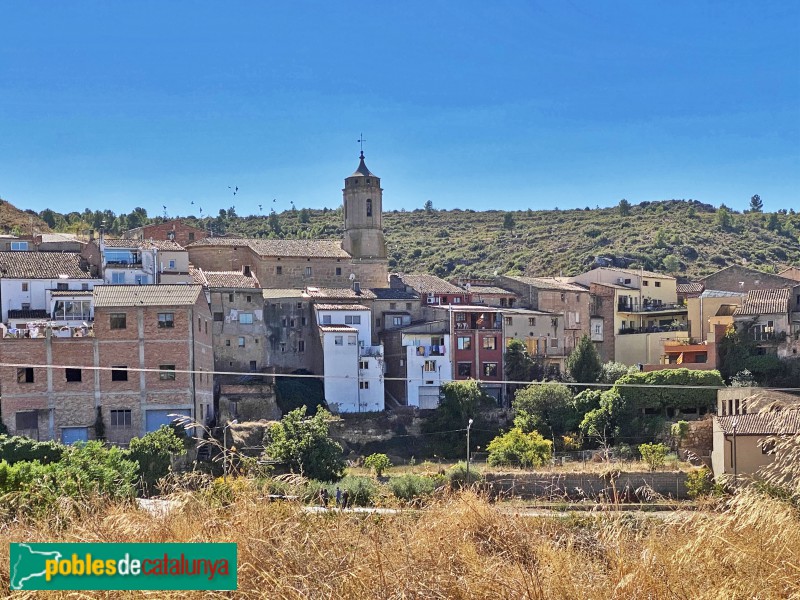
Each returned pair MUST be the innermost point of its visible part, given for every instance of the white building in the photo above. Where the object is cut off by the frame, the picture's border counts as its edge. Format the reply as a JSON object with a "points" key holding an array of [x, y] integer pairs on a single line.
{"points": [[352, 366], [45, 286], [144, 262], [428, 363]]}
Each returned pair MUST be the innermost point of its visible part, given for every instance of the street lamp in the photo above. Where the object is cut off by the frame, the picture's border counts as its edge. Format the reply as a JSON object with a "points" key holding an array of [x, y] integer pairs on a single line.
{"points": [[469, 424], [225, 447]]}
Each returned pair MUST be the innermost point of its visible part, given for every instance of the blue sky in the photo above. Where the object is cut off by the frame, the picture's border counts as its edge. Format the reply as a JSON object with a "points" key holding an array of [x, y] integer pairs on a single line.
{"points": [[508, 105]]}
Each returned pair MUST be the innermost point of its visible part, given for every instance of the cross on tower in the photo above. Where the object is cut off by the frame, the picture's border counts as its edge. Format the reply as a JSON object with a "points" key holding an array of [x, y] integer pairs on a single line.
{"points": [[361, 141]]}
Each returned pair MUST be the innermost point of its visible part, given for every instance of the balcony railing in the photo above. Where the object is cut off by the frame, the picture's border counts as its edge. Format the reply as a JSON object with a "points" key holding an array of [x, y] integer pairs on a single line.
{"points": [[679, 327], [374, 351], [647, 307]]}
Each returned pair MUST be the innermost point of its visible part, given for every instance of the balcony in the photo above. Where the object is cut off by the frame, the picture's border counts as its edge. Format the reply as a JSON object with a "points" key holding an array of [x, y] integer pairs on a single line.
{"points": [[629, 330], [373, 351], [650, 307]]}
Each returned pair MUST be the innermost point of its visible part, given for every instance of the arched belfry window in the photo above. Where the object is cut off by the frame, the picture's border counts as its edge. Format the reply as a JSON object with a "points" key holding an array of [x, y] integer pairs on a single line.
{"points": [[369, 207]]}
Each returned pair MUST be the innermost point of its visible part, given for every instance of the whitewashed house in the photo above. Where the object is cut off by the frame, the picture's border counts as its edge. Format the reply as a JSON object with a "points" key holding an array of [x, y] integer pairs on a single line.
{"points": [[352, 366], [144, 262], [428, 362]]}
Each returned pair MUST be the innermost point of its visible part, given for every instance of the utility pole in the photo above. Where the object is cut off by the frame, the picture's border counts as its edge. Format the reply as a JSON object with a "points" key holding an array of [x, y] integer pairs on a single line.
{"points": [[469, 424]]}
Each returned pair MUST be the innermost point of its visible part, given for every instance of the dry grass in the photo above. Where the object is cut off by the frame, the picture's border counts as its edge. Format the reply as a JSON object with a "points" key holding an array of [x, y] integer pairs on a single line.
{"points": [[462, 547]]}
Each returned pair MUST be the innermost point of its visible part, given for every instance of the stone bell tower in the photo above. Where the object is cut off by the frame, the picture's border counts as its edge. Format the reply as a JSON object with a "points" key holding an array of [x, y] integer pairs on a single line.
{"points": [[363, 214]]}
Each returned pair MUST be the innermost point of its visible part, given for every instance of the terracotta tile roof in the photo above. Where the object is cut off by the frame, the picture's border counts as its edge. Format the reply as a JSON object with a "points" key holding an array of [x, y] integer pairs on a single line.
{"points": [[341, 307], [298, 248], [144, 244], [765, 302], [776, 422], [43, 265], [225, 279], [489, 289], [393, 294], [548, 283], [197, 275], [694, 287], [52, 238], [70, 293], [346, 293], [429, 284], [278, 293], [146, 295], [338, 328]]}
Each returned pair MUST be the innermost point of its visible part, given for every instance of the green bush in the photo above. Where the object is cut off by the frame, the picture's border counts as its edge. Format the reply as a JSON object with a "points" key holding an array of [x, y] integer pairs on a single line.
{"points": [[363, 490], [412, 487], [153, 453], [653, 454], [14, 449], [699, 482], [517, 448], [456, 476], [378, 462]]}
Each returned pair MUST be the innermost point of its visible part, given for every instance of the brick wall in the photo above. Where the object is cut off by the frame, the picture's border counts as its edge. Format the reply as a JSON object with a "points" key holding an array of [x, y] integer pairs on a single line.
{"points": [[183, 234], [604, 302]]}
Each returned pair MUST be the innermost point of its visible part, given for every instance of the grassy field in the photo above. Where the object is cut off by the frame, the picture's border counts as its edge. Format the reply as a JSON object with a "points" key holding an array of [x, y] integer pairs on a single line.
{"points": [[460, 546]]}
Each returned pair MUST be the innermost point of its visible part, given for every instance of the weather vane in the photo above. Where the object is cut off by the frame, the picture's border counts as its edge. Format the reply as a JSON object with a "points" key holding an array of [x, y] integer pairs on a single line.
{"points": [[361, 141]]}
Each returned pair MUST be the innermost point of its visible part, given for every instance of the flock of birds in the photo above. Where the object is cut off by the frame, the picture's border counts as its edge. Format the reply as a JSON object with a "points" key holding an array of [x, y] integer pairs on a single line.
{"points": [[235, 190]]}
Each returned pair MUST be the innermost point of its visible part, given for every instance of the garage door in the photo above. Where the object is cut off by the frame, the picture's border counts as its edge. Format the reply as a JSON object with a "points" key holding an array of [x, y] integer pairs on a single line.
{"points": [[70, 435], [156, 418], [428, 397]]}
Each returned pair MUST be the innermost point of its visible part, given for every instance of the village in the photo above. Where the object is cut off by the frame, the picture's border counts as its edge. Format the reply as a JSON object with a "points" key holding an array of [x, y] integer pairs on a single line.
{"points": [[125, 335]]}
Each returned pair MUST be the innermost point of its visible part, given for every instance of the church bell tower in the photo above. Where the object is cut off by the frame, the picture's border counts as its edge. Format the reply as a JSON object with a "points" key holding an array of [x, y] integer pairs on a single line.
{"points": [[363, 214]]}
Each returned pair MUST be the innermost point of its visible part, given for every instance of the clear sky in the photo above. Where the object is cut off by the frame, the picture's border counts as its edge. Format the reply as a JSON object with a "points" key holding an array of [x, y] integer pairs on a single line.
{"points": [[469, 104]]}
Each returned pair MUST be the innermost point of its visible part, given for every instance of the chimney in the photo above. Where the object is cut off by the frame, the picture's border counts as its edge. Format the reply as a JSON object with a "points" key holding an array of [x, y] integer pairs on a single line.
{"points": [[357, 287], [246, 271], [91, 235]]}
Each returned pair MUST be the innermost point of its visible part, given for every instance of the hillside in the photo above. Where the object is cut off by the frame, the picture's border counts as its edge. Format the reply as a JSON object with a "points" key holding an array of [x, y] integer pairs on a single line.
{"points": [[468, 243], [686, 238], [16, 221]]}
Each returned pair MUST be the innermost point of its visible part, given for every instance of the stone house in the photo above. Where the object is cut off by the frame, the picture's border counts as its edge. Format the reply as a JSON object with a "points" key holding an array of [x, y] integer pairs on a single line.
{"points": [[139, 262], [772, 318], [432, 290], [148, 356], [174, 230]]}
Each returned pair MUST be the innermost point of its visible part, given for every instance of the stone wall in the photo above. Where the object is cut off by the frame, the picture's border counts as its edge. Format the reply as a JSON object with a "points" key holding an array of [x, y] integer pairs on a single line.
{"points": [[574, 486]]}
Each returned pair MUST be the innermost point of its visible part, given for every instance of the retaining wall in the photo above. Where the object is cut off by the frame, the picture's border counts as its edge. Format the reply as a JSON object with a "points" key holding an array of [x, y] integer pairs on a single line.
{"points": [[573, 486]]}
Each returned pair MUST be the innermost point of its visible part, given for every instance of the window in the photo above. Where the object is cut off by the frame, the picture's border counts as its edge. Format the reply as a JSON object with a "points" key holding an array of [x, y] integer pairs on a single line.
{"points": [[627, 282], [118, 278], [532, 321], [19, 245], [429, 366], [338, 340], [301, 346], [326, 319], [279, 270], [377, 322], [241, 342], [464, 343], [456, 299], [62, 286], [117, 320], [249, 298], [119, 373], [27, 419], [645, 283], [465, 369], [363, 365], [369, 207], [338, 271], [199, 325], [490, 369], [397, 321], [291, 322], [167, 372], [191, 236], [392, 305], [308, 272], [218, 316], [490, 343], [352, 340], [227, 342], [25, 375], [282, 347], [563, 297], [120, 419], [253, 366], [172, 264], [408, 304], [246, 318], [508, 321], [24, 287], [658, 284], [554, 342], [554, 322], [303, 322], [352, 319], [166, 320], [363, 385], [73, 375], [85, 287], [230, 297]]}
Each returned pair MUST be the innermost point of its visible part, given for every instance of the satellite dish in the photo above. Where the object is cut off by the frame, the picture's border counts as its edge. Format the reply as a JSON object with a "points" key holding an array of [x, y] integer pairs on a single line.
{"points": [[352, 276]]}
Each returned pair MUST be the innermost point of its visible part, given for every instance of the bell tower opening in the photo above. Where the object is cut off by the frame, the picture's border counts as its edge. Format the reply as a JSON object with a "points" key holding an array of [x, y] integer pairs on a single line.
{"points": [[363, 214]]}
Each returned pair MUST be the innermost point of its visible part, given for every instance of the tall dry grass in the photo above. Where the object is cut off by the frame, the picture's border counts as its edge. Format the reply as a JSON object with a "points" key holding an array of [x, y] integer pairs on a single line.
{"points": [[460, 547]]}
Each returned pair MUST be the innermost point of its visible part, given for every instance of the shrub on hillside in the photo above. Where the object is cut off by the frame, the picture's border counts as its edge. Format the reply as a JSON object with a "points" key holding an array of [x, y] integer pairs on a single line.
{"points": [[363, 490], [14, 449], [654, 455], [153, 453], [410, 487], [456, 476], [517, 448], [377, 462]]}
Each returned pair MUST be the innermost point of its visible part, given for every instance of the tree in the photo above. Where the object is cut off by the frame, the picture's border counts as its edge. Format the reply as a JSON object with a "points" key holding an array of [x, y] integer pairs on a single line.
{"points": [[624, 208], [274, 222], [518, 364], [653, 454], [612, 371], [378, 463], [304, 215], [508, 221], [545, 407], [724, 219], [756, 204], [305, 445], [428, 206], [153, 453], [672, 263], [773, 224], [517, 448], [583, 363]]}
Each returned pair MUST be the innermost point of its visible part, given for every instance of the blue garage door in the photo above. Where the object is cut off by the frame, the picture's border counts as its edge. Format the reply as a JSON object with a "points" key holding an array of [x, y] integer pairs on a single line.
{"points": [[157, 418], [70, 435]]}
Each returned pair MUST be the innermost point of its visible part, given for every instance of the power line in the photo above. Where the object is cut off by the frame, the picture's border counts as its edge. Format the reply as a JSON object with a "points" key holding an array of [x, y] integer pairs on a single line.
{"points": [[385, 378]]}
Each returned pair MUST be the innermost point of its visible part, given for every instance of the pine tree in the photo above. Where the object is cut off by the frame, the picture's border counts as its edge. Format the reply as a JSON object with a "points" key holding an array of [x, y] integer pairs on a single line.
{"points": [[584, 364], [756, 205]]}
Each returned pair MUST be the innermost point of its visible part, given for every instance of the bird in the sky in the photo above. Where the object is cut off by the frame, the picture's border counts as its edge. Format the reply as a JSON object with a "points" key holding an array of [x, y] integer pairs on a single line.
{"points": [[192, 202], [235, 189], [259, 208]]}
